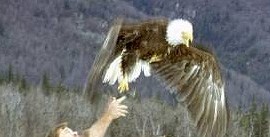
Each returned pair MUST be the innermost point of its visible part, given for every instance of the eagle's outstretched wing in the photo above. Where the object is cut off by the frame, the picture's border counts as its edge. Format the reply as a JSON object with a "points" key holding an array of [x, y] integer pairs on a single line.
{"points": [[101, 60], [195, 77]]}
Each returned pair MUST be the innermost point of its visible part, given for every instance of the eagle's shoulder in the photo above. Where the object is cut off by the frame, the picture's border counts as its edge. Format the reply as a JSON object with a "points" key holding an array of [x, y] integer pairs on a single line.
{"points": [[204, 52], [210, 60], [161, 21], [149, 32], [200, 55], [205, 49], [144, 25]]}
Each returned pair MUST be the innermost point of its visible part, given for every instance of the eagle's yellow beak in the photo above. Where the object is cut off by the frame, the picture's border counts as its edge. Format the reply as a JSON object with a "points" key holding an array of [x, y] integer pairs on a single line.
{"points": [[187, 37]]}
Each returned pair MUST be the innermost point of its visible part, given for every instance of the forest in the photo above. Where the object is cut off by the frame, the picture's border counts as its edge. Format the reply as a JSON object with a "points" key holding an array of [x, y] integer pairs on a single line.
{"points": [[29, 110]]}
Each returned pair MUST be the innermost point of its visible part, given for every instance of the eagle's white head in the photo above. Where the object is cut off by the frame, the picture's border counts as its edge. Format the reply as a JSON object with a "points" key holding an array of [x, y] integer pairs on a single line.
{"points": [[179, 31]]}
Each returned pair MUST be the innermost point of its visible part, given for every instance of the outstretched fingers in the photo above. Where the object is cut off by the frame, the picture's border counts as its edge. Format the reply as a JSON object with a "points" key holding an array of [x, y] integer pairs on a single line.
{"points": [[121, 109], [115, 108], [121, 99], [124, 111]]}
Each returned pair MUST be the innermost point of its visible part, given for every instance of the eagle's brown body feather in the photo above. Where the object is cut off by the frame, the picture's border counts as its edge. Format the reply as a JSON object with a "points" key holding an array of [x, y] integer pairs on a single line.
{"points": [[141, 41]]}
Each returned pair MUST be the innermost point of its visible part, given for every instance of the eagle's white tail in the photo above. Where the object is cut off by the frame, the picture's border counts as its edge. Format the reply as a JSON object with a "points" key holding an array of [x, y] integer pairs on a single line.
{"points": [[136, 71]]}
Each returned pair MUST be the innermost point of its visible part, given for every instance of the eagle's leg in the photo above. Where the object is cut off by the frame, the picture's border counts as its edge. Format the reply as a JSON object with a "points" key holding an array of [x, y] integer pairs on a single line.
{"points": [[127, 65], [123, 84], [155, 58]]}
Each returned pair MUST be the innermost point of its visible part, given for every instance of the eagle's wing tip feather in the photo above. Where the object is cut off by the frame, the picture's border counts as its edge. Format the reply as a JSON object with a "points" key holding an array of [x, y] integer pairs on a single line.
{"points": [[191, 79]]}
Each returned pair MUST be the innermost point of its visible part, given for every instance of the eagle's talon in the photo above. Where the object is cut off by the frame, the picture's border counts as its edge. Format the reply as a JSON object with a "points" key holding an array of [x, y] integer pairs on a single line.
{"points": [[155, 58], [123, 86]]}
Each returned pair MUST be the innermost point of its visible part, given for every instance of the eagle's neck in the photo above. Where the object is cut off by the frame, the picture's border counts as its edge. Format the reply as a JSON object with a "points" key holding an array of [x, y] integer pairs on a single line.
{"points": [[174, 39]]}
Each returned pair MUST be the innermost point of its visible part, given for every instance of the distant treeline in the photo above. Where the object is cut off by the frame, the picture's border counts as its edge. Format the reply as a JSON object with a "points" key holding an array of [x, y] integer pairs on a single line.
{"points": [[30, 110]]}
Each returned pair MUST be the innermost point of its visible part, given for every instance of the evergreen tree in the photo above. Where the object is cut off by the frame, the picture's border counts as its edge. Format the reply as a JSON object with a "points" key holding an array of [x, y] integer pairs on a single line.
{"points": [[46, 83], [62, 73], [23, 84], [253, 118], [248, 120], [10, 73], [264, 121], [2, 78]]}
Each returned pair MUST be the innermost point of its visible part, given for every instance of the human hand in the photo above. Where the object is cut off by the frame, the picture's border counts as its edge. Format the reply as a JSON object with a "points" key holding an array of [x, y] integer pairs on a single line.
{"points": [[115, 109], [67, 132]]}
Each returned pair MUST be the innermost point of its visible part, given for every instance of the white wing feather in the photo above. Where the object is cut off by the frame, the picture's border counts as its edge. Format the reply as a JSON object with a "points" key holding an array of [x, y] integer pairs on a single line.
{"points": [[114, 71]]}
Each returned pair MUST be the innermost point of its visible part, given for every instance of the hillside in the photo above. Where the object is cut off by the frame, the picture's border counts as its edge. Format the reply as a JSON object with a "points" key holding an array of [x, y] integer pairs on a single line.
{"points": [[33, 112], [239, 31], [60, 38]]}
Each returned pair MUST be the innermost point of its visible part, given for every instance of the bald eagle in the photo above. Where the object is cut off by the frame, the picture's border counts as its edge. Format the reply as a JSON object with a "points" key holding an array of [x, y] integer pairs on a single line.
{"points": [[164, 48]]}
